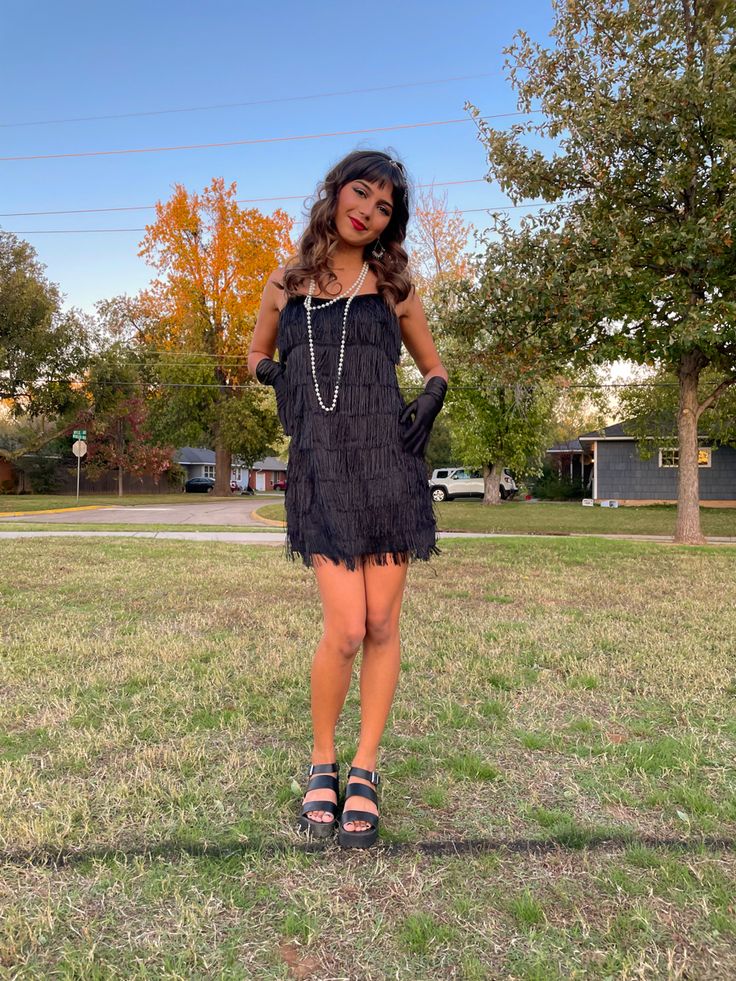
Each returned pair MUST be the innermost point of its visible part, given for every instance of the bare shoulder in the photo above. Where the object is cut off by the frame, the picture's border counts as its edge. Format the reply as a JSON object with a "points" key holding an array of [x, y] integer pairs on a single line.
{"points": [[275, 287], [277, 276], [409, 304]]}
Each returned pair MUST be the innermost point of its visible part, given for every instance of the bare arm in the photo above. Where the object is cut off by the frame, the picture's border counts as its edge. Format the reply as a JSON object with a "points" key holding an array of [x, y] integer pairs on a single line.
{"points": [[418, 339], [263, 342]]}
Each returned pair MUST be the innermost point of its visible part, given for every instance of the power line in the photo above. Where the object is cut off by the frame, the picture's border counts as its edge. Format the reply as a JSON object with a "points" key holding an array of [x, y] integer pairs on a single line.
{"points": [[462, 211], [259, 140], [238, 361], [239, 105], [150, 207], [461, 388]]}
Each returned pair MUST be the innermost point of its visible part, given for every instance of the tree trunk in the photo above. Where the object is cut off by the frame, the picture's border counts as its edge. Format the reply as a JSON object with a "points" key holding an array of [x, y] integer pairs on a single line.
{"points": [[687, 531], [223, 455], [223, 458], [492, 483], [120, 444]]}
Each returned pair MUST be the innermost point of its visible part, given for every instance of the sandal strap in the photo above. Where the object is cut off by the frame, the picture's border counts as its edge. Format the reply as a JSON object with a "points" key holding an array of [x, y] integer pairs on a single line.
{"points": [[358, 771], [323, 768], [348, 816], [360, 790], [319, 805], [322, 782]]}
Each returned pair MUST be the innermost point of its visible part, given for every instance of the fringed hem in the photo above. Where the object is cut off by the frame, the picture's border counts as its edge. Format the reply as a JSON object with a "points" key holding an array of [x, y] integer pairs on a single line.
{"points": [[356, 562]]}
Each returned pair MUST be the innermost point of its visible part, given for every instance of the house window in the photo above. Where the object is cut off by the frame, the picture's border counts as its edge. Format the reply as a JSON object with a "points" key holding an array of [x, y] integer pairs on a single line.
{"points": [[209, 470], [669, 456]]}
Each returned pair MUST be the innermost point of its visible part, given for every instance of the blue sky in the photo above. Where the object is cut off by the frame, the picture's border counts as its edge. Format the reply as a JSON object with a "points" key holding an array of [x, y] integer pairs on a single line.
{"points": [[81, 59]]}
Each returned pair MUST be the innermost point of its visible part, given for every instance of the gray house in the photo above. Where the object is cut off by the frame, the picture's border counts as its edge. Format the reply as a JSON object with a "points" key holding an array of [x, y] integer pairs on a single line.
{"points": [[200, 462], [619, 473], [571, 461]]}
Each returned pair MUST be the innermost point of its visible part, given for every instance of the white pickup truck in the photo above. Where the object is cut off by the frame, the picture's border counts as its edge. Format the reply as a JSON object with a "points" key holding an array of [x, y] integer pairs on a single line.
{"points": [[448, 483]]}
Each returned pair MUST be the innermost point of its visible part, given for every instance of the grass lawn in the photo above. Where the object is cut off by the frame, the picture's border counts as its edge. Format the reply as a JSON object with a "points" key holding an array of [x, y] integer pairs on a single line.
{"points": [[41, 502], [23, 525], [559, 795], [550, 517]]}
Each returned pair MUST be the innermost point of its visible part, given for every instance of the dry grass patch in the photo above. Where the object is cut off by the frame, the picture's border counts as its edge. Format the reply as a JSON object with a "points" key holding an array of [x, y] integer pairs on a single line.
{"points": [[559, 795]]}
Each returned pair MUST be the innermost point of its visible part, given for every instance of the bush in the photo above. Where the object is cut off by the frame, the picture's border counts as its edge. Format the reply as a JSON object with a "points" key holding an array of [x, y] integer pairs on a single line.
{"points": [[176, 477], [550, 486], [42, 474]]}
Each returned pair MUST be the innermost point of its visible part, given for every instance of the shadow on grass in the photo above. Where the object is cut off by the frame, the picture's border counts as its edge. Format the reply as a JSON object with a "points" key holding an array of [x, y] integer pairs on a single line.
{"points": [[63, 857]]}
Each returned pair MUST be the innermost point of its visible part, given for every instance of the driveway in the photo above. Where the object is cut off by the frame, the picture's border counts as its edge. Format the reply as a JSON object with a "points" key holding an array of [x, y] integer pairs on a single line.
{"points": [[237, 511]]}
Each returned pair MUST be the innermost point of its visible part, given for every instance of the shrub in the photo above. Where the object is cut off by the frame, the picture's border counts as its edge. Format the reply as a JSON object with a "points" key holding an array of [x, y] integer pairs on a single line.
{"points": [[550, 486]]}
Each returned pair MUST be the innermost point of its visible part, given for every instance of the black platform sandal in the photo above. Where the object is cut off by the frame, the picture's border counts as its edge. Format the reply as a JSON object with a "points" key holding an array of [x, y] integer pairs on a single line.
{"points": [[359, 839], [328, 781]]}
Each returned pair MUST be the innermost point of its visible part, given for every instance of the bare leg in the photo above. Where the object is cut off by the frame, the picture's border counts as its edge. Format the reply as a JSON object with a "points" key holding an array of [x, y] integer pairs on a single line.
{"points": [[344, 616], [379, 670]]}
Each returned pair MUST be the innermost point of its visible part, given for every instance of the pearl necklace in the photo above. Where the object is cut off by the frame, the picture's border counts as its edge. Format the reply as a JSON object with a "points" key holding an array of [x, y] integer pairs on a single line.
{"points": [[349, 293]]}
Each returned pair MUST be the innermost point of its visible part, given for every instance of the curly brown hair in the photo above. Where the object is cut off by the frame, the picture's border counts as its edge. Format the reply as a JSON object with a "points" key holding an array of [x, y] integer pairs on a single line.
{"points": [[319, 239]]}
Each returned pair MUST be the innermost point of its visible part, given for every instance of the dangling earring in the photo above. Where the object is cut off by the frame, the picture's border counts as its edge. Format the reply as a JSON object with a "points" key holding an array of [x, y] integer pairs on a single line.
{"points": [[379, 244]]}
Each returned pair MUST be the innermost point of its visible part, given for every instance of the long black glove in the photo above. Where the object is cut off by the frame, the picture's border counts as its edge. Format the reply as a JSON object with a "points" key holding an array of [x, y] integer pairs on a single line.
{"points": [[270, 372], [426, 408]]}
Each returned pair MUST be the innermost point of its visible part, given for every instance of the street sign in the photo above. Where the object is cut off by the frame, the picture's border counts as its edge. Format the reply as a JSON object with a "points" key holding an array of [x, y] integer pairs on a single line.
{"points": [[80, 434], [79, 449]]}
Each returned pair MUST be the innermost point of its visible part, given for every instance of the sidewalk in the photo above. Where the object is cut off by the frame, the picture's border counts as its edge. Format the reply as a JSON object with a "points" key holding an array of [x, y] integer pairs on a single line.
{"points": [[272, 538]]}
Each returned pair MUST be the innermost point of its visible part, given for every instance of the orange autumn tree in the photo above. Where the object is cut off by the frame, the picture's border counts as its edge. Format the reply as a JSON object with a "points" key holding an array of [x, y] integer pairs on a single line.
{"points": [[213, 258], [437, 244]]}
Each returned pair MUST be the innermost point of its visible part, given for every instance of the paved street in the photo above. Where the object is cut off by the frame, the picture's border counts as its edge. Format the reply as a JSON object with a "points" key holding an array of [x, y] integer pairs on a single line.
{"points": [[237, 511]]}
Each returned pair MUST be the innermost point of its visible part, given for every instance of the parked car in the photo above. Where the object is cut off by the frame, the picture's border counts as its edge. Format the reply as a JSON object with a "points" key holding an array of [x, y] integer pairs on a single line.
{"points": [[448, 483], [280, 484], [199, 485]]}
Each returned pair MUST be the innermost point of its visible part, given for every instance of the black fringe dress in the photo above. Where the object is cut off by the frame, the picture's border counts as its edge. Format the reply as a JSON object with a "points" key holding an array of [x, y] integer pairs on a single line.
{"points": [[353, 494]]}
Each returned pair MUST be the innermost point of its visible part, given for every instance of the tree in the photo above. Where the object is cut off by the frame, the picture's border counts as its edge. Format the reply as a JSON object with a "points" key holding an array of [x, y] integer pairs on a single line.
{"points": [[197, 319], [117, 419], [582, 405], [651, 409], [438, 241], [43, 351], [436, 259], [635, 258], [497, 425]]}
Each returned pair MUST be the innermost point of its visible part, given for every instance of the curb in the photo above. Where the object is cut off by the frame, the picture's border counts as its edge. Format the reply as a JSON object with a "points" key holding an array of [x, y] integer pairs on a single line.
{"points": [[267, 521], [82, 507]]}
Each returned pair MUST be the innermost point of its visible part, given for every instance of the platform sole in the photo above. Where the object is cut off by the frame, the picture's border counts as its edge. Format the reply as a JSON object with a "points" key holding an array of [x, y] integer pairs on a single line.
{"points": [[357, 839], [317, 829]]}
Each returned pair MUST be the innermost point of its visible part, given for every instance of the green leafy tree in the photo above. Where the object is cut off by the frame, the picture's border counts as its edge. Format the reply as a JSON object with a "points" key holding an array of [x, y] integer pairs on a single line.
{"points": [[43, 352], [117, 419], [650, 410], [499, 423], [635, 257], [187, 407]]}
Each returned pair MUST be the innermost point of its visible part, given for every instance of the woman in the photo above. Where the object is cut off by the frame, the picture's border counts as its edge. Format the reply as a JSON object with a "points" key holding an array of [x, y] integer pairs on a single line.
{"points": [[358, 507]]}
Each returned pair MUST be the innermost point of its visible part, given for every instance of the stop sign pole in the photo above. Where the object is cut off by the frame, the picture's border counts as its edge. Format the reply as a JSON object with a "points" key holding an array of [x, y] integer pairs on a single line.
{"points": [[79, 449]]}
